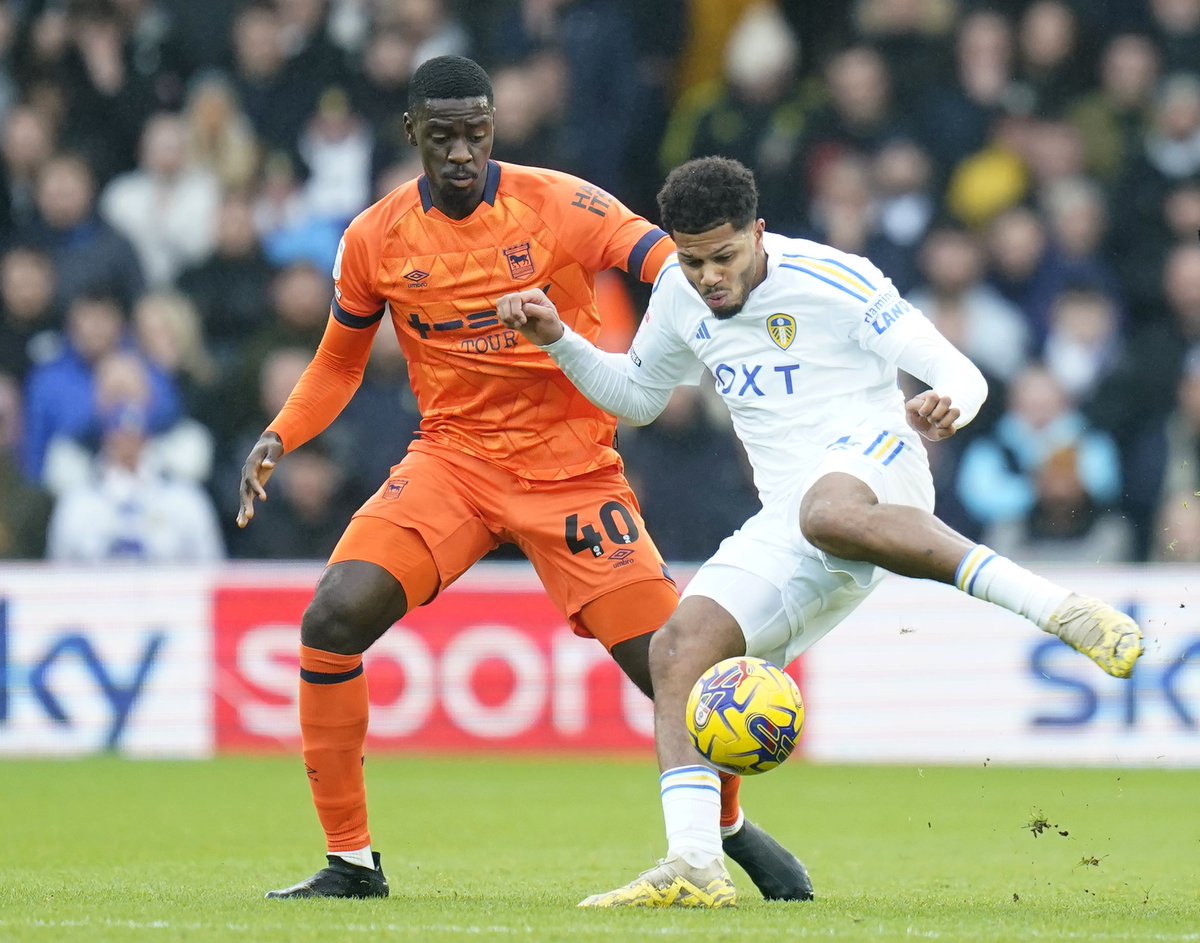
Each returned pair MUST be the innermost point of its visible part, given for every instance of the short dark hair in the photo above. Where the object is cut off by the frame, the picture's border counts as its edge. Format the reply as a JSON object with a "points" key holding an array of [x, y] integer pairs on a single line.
{"points": [[707, 192], [448, 77]]}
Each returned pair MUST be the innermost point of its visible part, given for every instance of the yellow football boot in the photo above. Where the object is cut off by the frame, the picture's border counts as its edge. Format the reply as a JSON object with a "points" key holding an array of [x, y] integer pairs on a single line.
{"points": [[1106, 635], [672, 883]]}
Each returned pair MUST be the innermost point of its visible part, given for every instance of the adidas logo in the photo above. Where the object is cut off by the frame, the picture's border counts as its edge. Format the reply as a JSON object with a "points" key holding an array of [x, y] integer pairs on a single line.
{"points": [[702, 334]]}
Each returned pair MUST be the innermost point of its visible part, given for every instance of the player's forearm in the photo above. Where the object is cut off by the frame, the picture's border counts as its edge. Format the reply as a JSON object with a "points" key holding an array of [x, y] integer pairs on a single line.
{"points": [[326, 386], [921, 351], [603, 378]]}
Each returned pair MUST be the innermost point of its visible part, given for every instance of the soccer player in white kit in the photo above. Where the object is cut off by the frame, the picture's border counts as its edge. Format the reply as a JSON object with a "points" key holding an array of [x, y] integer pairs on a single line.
{"points": [[803, 342]]}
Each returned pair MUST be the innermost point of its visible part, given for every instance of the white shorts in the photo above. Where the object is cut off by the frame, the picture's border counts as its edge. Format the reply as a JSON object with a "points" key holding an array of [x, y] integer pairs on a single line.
{"points": [[785, 593]]}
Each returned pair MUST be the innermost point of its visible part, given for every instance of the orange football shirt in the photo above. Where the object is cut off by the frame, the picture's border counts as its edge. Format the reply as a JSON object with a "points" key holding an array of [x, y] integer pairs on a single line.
{"points": [[480, 387]]}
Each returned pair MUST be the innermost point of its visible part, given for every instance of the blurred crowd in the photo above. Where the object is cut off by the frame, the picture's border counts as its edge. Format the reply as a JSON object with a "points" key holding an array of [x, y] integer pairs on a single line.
{"points": [[175, 177]]}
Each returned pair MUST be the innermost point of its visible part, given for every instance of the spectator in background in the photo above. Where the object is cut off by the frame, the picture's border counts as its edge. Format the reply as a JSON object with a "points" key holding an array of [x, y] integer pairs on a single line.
{"points": [[862, 115], [276, 95], [909, 35], [231, 286], [956, 117], [155, 50], [336, 148], [1084, 341], [60, 395], [1020, 267], [991, 330], [290, 231], [89, 256], [527, 104], [128, 510], [844, 214], [1076, 214], [171, 337], [689, 523], [166, 208], [24, 509], [595, 43], [299, 311], [904, 190], [1112, 118], [430, 29], [311, 54], [107, 100], [998, 478], [26, 145], [220, 139], [382, 84], [1052, 69], [1064, 525], [1177, 31], [1165, 465], [27, 318], [1141, 388], [756, 114]]}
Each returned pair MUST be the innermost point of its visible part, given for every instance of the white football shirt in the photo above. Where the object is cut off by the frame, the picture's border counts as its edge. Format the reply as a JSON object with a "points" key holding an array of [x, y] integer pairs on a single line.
{"points": [[812, 355]]}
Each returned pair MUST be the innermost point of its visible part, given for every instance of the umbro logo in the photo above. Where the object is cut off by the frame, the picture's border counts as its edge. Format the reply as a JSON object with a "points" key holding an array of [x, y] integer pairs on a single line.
{"points": [[417, 279], [702, 334]]}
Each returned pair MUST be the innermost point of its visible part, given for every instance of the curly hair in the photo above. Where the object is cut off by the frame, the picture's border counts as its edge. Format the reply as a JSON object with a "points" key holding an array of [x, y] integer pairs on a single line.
{"points": [[705, 193], [448, 77]]}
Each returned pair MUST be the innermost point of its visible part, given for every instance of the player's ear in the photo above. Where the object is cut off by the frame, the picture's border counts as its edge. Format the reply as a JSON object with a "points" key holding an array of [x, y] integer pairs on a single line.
{"points": [[760, 226], [410, 130]]}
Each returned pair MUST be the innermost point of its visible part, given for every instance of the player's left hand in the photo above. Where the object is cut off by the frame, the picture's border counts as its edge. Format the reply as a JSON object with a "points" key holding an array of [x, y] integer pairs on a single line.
{"points": [[932, 415]]}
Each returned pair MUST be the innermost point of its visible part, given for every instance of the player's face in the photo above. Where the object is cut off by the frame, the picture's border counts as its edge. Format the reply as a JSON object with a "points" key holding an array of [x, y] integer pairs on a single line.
{"points": [[454, 139], [723, 264]]}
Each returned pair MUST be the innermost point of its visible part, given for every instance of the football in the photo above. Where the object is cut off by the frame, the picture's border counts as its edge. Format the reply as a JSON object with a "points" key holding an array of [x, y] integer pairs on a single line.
{"points": [[745, 715]]}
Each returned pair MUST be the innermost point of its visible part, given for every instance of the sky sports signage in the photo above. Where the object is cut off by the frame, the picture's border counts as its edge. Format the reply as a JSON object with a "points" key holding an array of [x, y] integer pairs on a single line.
{"points": [[185, 662], [922, 674], [94, 661], [485, 667]]}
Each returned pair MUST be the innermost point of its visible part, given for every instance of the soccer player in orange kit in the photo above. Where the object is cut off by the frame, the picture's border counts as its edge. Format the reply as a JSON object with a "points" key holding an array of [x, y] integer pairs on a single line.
{"points": [[508, 449]]}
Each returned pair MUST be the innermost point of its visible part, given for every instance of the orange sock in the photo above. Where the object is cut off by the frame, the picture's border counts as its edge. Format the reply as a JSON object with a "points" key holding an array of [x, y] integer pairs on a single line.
{"points": [[333, 728], [730, 808]]}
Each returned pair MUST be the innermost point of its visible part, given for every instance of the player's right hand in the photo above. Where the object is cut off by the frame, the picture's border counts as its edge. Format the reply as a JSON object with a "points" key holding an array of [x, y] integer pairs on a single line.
{"points": [[259, 466], [531, 313]]}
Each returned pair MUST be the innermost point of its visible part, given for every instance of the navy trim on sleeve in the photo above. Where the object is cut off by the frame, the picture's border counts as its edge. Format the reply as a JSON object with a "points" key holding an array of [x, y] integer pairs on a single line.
{"points": [[637, 255], [356, 321]]}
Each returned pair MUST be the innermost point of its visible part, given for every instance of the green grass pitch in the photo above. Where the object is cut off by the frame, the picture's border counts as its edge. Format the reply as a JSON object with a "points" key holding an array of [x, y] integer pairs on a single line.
{"points": [[501, 850]]}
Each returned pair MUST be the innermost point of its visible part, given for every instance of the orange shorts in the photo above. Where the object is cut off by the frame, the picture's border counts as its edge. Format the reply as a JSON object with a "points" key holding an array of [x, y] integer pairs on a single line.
{"points": [[584, 535]]}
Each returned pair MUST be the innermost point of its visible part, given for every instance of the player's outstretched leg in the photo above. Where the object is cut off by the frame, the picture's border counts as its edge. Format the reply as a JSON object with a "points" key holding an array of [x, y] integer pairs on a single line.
{"points": [[841, 516]]}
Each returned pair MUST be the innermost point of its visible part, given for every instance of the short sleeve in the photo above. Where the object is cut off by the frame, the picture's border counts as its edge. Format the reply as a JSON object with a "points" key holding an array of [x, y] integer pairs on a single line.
{"points": [[356, 301], [660, 357], [603, 233]]}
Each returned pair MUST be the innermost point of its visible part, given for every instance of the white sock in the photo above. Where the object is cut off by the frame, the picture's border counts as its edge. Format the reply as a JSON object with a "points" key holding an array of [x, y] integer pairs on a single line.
{"points": [[985, 574], [362, 857], [727, 830], [691, 800]]}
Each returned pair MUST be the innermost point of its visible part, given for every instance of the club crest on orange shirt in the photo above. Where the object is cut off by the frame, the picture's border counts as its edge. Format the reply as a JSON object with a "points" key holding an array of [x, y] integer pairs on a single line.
{"points": [[391, 491], [520, 260]]}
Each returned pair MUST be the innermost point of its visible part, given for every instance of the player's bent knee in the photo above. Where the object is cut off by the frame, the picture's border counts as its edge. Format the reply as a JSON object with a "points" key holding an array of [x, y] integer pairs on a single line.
{"points": [[331, 624], [833, 528]]}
